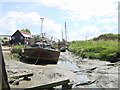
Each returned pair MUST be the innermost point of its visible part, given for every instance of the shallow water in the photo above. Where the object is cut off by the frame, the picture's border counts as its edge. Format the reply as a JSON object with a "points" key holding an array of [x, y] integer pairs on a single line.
{"points": [[70, 64], [79, 77]]}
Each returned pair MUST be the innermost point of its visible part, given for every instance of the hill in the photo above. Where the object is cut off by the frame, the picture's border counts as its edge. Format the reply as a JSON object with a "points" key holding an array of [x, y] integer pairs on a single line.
{"points": [[105, 37]]}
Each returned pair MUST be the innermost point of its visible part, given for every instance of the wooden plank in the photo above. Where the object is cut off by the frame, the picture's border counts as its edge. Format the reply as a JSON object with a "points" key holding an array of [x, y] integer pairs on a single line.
{"points": [[50, 85], [22, 75], [4, 85], [16, 82]]}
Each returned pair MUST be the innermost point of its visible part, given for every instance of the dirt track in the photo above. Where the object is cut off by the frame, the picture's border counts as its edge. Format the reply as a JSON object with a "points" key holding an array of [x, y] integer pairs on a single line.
{"points": [[92, 73]]}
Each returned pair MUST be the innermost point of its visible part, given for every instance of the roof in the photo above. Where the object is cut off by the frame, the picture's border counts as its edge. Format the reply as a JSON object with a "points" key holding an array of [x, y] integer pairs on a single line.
{"points": [[25, 34]]}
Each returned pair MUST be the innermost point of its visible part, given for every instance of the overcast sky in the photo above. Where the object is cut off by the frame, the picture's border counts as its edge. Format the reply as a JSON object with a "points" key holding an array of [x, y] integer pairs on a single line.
{"points": [[84, 18]]}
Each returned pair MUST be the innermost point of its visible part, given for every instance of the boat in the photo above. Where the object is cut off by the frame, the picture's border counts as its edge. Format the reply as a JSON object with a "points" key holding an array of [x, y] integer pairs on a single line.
{"points": [[42, 52], [63, 45]]}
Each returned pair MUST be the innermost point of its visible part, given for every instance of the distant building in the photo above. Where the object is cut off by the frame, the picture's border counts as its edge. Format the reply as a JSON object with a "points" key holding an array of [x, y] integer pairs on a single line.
{"points": [[5, 39], [20, 37]]}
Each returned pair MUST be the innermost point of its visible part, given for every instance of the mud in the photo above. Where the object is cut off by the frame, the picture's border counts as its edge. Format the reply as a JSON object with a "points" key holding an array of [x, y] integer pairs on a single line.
{"points": [[89, 73]]}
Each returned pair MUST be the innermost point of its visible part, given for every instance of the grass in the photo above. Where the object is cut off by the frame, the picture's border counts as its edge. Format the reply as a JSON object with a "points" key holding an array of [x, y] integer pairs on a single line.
{"points": [[103, 50], [16, 50], [17, 46]]}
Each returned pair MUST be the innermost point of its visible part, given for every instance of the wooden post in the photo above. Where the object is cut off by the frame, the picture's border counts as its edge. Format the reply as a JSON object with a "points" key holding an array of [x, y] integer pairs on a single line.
{"points": [[3, 75]]}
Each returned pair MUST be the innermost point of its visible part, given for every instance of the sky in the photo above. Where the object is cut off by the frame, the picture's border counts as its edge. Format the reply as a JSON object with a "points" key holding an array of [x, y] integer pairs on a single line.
{"points": [[85, 19]]}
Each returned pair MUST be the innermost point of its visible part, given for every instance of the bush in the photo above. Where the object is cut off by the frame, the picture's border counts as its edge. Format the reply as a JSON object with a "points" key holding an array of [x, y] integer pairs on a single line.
{"points": [[18, 46], [17, 51]]}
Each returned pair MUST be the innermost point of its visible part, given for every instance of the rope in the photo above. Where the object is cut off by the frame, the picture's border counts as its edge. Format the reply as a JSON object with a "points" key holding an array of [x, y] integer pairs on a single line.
{"points": [[37, 59]]}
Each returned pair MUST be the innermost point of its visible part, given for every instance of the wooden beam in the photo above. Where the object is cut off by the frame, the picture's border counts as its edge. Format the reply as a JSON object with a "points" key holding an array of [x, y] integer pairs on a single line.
{"points": [[22, 75], [63, 82], [16, 82]]}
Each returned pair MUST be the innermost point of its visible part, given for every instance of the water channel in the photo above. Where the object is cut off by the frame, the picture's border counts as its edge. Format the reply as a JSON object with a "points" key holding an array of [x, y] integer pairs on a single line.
{"points": [[80, 77], [69, 63]]}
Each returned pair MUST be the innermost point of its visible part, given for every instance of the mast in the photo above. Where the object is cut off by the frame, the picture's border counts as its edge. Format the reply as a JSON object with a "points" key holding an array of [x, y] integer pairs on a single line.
{"points": [[41, 25], [65, 32], [62, 34]]}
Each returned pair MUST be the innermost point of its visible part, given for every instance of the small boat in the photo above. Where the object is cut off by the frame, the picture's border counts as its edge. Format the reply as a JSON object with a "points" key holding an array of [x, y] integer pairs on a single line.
{"points": [[42, 53], [63, 49]]}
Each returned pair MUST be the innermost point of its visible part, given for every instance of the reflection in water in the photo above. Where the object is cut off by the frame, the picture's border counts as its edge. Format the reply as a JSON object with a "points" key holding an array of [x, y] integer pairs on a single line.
{"points": [[70, 64]]}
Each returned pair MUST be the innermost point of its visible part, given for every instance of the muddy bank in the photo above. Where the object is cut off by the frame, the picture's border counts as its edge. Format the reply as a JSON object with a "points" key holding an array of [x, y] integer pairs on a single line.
{"points": [[88, 74], [102, 74], [42, 74]]}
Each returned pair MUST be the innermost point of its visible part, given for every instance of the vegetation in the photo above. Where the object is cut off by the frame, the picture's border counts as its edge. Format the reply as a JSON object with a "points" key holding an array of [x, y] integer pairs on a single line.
{"points": [[17, 49], [105, 37], [103, 50], [26, 30]]}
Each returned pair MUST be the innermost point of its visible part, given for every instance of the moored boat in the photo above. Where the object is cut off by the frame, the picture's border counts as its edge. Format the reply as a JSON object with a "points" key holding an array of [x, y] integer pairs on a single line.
{"points": [[41, 53]]}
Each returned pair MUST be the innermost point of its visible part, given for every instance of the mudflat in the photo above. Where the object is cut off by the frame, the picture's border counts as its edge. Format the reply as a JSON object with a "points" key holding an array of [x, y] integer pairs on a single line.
{"points": [[91, 73]]}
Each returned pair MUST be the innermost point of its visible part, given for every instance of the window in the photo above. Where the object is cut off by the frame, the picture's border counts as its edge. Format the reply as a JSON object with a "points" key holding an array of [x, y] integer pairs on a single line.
{"points": [[21, 37], [13, 37]]}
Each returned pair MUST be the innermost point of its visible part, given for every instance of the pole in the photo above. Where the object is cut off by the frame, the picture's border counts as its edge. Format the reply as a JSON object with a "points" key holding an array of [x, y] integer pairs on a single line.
{"points": [[86, 37], [62, 35], [65, 32], [41, 25]]}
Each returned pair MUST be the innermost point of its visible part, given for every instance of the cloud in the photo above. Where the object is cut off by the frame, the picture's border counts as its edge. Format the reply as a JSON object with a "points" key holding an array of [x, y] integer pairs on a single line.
{"points": [[103, 11], [51, 27], [7, 26], [108, 20], [108, 29], [27, 17], [84, 9], [87, 10], [13, 19], [18, 0], [84, 32]]}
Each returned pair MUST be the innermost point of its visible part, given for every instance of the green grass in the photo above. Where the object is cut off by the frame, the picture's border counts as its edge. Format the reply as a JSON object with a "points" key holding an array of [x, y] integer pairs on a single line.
{"points": [[18, 46], [103, 50], [17, 49]]}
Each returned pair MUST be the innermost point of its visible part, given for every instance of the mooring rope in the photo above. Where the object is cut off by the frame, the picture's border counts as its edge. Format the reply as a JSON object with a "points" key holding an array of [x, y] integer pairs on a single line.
{"points": [[37, 59]]}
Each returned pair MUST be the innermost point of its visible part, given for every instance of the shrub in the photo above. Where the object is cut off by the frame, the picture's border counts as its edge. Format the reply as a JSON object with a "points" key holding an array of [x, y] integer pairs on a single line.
{"points": [[17, 51]]}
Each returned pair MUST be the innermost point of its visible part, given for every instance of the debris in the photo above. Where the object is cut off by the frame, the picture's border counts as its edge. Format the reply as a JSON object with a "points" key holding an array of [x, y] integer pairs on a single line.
{"points": [[16, 79], [22, 75], [16, 82], [86, 83]]}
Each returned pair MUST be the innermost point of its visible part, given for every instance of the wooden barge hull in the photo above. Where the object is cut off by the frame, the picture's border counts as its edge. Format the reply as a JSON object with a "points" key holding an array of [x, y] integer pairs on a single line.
{"points": [[40, 55]]}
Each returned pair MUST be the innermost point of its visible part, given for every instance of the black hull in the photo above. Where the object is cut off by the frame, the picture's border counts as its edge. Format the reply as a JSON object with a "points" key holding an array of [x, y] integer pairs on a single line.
{"points": [[39, 61], [40, 56]]}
